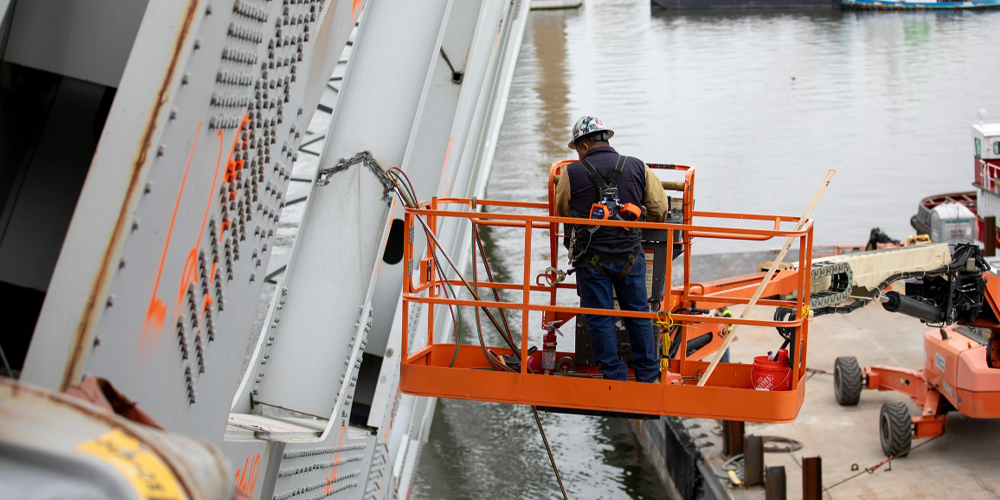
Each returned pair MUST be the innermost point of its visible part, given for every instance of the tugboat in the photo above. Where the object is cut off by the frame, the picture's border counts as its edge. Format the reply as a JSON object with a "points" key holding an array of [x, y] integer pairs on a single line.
{"points": [[986, 137], [955, 209]]}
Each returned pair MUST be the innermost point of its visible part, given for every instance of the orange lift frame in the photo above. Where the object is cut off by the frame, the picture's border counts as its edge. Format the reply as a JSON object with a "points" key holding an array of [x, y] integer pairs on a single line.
{"points": [[729, 394]]}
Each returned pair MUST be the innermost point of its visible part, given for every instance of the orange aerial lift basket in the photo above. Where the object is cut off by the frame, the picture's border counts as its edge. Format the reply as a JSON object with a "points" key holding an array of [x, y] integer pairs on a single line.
{"points": [[432, 366]]}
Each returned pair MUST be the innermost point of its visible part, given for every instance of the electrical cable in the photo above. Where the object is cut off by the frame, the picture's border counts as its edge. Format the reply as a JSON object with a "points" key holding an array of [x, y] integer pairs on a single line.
{"points": [[456, 323], [408, 199], [552, 460], [468, 286], [456, 319], [785, 314], [478, 242], [491, 357]]}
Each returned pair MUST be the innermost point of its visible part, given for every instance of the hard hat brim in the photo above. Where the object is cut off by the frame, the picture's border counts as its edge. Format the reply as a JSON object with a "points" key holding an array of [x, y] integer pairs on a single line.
{"points": [[572, 143]]}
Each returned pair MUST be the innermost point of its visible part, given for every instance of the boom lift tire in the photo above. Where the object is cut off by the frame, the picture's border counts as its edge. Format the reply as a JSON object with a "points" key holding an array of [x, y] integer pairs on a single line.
{"points": [[895, 429], [847, 381]]}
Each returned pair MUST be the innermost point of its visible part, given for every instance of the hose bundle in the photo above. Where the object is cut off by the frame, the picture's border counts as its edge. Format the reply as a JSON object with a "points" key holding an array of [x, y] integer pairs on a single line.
{"points": [[959, 259], [406, 192]]}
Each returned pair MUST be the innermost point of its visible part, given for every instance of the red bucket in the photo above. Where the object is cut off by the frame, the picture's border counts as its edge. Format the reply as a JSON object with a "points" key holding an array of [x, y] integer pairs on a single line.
{"points": [[770, 375]]}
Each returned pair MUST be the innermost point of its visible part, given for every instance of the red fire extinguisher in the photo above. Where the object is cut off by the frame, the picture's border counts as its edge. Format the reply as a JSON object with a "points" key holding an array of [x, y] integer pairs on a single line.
{"points": [[549, 350]]}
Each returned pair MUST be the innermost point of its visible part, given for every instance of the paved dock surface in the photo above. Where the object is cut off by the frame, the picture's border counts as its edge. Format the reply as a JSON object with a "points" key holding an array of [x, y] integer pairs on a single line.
{"points": [[963, 463]]}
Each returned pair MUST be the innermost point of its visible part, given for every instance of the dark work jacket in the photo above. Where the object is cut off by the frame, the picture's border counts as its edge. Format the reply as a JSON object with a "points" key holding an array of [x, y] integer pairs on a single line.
{"points": [[631, 189]]}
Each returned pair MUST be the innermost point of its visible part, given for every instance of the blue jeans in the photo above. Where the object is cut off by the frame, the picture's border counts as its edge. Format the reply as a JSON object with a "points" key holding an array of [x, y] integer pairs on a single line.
{"points": [[595, 292]]}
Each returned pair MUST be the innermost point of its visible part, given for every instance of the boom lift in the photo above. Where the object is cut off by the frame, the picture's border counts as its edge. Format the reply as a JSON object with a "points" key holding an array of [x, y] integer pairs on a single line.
{"points": [[954, 291], [960, 300], [434, 365]]}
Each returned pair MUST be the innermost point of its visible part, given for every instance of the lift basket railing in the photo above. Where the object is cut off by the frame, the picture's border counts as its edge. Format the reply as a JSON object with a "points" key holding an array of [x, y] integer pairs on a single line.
{"points": [[430, 365]]}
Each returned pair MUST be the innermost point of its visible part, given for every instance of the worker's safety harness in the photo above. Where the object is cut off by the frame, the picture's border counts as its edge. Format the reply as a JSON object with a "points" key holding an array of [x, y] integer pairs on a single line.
{"points": [[608, 208]]}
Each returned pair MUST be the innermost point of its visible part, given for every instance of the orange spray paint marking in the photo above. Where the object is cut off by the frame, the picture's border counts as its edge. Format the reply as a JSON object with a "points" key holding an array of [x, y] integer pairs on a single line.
{"points": [[331, 475], [232, 167], [157, 312], [246, 477], [190, 274], [354, 8]]}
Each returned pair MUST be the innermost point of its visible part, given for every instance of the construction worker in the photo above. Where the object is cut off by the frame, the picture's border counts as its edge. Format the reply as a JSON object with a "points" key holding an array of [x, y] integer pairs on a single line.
{"points": [[605, 185]]}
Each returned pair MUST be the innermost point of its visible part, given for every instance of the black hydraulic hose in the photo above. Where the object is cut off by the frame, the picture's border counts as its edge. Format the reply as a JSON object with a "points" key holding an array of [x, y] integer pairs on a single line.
{"points": [[675, 341], [874, 293], [468, 286], [489, 274], [479, 325], [478, 243], [785, 314], [456, 323], [437, 246], [409, 200]]}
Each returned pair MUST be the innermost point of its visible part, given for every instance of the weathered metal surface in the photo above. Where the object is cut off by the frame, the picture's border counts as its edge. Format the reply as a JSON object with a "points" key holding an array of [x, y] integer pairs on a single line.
{"points": [[478, 115], [170, 244], [66, 434], [430, 145], [329, 278], [101, 222], [419, 428], [174, 227], [337, 469], [254, 463]]}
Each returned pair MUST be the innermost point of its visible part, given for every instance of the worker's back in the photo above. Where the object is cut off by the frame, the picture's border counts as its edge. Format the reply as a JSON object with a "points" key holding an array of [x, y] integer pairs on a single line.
{"points": [[631, 189]]}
